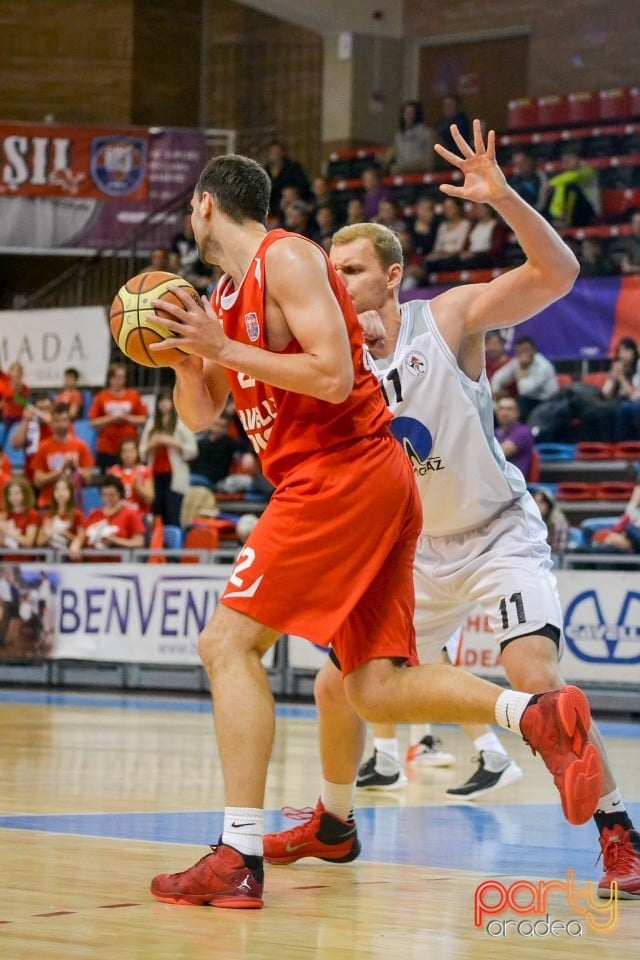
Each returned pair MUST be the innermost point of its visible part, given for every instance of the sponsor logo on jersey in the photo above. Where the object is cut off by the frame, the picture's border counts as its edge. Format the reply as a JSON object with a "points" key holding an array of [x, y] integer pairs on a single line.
{"points": [[252, 325], [417, 442], [596, 638], [118, 164], [416, 363]]}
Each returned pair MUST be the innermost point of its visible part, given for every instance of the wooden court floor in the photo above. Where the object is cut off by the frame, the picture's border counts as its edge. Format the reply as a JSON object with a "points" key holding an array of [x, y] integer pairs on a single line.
{"points": [[99, 793]]}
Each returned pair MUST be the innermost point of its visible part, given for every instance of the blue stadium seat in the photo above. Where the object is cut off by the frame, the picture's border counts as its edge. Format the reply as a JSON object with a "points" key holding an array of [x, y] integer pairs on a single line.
{"points": [[592, 524], [556, 451], [16, 457], [577, 540], [91, 499], [86, 433], [173, 537]]}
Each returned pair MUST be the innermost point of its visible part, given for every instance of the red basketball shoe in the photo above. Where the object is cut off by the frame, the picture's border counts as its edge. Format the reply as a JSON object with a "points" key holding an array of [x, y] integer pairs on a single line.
{"points": [[321, 835], [224, 878], [555, 725], [621, 857]]}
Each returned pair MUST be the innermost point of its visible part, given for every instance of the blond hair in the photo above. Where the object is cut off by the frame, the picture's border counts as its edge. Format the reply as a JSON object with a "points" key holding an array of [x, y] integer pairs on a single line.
{"points": [[385, 242]]}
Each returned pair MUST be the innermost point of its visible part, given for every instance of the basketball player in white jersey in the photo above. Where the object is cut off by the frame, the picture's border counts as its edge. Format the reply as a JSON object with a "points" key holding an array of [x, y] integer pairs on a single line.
{"points": [[483, 540]]}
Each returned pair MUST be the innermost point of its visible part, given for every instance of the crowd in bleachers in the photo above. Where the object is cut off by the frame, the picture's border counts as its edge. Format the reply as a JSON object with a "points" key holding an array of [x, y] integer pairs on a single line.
{"points": [[94, 474], [60, 446]]}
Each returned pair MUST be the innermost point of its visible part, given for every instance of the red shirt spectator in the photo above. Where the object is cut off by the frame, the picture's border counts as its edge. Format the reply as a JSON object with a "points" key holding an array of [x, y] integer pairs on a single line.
{"points": [[116, 413], [15, 403], [19, 520], [63, 454], [137, 478], [70, 393], [34, 427], [63, 525], [114, 525]]}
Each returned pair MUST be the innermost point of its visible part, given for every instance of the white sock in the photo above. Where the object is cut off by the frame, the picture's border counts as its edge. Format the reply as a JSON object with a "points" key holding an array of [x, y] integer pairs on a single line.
{"points": [[510, 706], [337, 799], [418, 731], [489, 741], [243, 829], [612, 803], [387, 756]]}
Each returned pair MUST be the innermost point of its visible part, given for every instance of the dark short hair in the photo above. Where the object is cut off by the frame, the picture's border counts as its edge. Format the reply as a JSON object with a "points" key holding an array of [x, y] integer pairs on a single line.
{"points": [[112, 481], [241, 187], [73, 372], [525, 340], [61, 408]]}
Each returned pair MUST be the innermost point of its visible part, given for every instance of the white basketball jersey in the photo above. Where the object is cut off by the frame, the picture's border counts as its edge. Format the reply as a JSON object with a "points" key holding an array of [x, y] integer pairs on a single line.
{"points": [[444, 420]]}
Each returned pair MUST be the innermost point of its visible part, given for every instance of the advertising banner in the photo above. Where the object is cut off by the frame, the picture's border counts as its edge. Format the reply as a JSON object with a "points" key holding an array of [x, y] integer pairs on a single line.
{"points": [[135, 613], [87, 188], [45, 342], [586, 324]]}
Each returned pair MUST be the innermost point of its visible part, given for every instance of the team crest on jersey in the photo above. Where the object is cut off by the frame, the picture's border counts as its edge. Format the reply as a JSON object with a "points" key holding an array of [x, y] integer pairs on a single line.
{"points": [[416, 363], [252, 325]]}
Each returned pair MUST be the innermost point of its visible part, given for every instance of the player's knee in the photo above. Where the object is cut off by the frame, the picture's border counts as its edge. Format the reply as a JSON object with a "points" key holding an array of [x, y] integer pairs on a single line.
{"points": [[369, 690], [328, 689], [536, 677], [211, 650]]}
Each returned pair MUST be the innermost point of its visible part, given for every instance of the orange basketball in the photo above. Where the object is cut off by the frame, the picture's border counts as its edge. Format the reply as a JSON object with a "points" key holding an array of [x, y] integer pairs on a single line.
{"points": [[131, 309]]}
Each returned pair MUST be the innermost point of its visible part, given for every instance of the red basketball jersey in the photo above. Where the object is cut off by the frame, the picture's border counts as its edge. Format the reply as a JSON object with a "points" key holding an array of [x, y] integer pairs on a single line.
{"points": [[285, 427]]}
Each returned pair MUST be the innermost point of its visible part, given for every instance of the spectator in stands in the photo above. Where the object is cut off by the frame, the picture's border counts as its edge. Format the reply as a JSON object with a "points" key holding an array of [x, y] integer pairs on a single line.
{"points": [[34, 427], [556, 523], [623, 380], [412, 149], [451, 236], [414, 273], [61, 455], [321, 192], [5, 469], [425, 225], [116, 413], [288, 197], [160, 259], [63, 523], [625, 534], [389, 216], [355, 211], [533, 375], [374, 191], [216, 451], [6, 392], [167, 446], [594, 259], [184, 257], [486, 241], [326, 225], [114, 525], [19, 520], [18, 398], [495, 354], [574, 193], [515, 438], [630, 246], [285, 172], [528, 181], [70, 394], [137, 477], [452, 112], [297, 219]]}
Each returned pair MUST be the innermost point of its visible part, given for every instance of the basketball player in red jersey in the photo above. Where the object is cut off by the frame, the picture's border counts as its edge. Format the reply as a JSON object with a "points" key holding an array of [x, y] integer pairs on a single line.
{"points": [[331, 557]]}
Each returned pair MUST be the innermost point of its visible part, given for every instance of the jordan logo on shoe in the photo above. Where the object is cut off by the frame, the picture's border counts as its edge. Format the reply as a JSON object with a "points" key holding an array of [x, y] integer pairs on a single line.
{"points": [[245, 885], [252, 823]]}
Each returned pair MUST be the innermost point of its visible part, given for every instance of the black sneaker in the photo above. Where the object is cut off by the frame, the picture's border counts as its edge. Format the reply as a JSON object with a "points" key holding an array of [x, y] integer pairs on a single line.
{"points": [[370, 779], [494, 771]]}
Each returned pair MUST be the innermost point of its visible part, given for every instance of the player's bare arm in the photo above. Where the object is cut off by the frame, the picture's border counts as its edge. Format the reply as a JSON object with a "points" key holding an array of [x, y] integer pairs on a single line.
{"points": [[200, 392], [300, 305], [550, 268]]}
